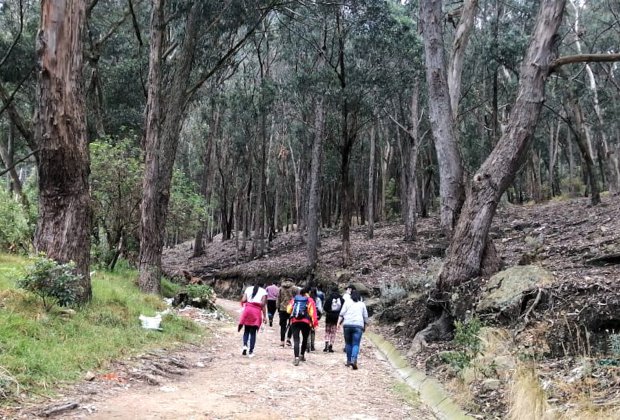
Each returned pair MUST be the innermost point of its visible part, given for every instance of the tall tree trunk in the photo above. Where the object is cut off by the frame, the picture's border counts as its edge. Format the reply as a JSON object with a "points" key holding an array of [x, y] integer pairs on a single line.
{"points": [[457, 54], [470, 241], [451, 189], [582, 139], [314, 200], [151, 228], [349, 135], [345, 202], [205, 181], [386, 156], [259, 226], [163, 123], [63, 228], [6, 155], [371, 185], [410, 164]]}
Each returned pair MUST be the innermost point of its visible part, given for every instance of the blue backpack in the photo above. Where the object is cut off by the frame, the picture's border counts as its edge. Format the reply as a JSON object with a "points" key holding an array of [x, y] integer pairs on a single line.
{"points": [[300, 307]]}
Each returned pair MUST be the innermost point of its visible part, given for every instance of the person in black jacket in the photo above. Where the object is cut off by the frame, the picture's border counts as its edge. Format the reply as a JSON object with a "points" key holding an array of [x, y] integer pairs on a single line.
{"points": [[331, 309]]}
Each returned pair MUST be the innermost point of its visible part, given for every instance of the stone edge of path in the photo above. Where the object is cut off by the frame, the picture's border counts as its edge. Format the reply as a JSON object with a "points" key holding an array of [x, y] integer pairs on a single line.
{"points": [[429, 389]]}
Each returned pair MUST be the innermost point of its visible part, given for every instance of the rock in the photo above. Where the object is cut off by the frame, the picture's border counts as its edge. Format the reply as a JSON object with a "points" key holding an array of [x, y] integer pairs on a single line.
{"points": [[66, 312], [505, 290], [343, 276], [468, 375], [491, 384], [366, 270], [373, 306], [362, 289], [504, 366], [89, 376], [399, 261]]}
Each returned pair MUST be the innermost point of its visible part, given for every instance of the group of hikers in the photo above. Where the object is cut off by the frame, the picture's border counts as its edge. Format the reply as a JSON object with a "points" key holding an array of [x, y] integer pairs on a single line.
{"points": [[299, 311]]}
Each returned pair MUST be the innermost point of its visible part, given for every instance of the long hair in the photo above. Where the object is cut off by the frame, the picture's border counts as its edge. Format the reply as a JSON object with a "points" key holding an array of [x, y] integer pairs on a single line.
{"points": [[355, 296], [254, 291]]}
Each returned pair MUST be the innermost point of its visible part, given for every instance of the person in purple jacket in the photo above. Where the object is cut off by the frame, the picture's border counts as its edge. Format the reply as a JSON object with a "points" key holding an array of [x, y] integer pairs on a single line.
{"points": [[272, 297]]}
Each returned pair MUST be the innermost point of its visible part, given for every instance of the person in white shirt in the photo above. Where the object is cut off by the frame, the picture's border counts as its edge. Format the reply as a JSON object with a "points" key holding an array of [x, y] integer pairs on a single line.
{"points": [[354, 318], [254, 301]]}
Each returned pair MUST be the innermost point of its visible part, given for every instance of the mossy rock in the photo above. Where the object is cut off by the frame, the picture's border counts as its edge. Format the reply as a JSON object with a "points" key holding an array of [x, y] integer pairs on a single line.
{"points": [[506, 290]]}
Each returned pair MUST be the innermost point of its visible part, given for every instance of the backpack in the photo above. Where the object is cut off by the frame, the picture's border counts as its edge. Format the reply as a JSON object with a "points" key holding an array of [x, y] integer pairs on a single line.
{"points": [[300, 307], [318, 302], [336, 304]]}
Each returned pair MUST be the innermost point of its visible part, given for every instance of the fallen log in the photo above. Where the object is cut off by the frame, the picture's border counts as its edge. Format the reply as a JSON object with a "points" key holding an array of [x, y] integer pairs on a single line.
{"points": [[59, 409]]}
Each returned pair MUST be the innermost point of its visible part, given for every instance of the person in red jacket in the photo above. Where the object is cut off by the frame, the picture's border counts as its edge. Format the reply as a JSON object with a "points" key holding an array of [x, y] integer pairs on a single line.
{"points": [[303, 319]]}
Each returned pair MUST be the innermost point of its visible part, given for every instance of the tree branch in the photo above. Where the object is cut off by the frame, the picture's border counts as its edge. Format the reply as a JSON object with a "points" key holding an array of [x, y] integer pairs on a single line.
{"points": [[233, 50], [19, 33], [17, 162], [583, 58], [17, 119], [134, 22]]}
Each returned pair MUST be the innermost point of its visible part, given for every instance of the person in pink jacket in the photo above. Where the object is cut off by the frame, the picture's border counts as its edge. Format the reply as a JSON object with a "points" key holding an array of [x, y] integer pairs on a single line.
{"points": [[254, 313], [303, 320]]}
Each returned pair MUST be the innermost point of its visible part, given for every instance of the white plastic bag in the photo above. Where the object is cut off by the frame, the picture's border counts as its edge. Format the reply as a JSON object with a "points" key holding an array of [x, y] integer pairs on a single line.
{"points": [[151, 322]]}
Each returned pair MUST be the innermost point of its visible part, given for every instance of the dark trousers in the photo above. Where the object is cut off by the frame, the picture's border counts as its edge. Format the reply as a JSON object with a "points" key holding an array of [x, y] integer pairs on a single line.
{"points": [[271, 310], [284, 316], [249, 333], [304, 328]]}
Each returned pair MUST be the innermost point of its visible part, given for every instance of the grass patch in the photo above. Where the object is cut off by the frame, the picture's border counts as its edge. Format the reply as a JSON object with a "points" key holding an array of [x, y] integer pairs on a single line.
{"points": [[527, 398], [40, 349]]}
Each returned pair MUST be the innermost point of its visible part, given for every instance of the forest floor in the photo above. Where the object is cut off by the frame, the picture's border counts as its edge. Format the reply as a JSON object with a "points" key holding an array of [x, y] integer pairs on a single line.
{"points": [[217, 382]]}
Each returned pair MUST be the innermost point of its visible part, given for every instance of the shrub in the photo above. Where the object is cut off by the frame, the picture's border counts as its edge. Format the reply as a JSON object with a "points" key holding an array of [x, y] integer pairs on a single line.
{"points": [[169, 289], [392, 292], [199, 291], [426, 279], [468, 344], [54, 283], [15, 231]]}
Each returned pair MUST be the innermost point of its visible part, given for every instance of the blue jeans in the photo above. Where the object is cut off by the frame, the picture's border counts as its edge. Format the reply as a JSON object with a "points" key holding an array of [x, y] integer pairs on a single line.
{"points": [[250, 333], [352, 339]]}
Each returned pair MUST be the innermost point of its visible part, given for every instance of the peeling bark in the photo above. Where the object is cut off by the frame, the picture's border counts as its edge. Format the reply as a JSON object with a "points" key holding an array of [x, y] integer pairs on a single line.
{"points": [[63, 228]]}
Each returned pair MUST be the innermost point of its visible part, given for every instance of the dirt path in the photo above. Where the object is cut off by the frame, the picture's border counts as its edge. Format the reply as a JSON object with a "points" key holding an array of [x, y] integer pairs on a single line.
{"points": [[267, 386]]}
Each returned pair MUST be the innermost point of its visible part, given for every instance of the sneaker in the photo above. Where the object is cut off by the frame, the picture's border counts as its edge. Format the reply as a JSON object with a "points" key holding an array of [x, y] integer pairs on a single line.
{"points": [[347, 364], [245, 350], [296, 361], [251, 355], [282, 344], [288, 343], [354, 365], [302, 358]]}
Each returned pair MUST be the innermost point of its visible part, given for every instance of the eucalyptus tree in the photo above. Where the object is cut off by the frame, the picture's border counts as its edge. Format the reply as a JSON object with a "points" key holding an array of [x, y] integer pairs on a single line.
{"points": [[189, 42], [444, 85], [466, 253], [63, 228]]}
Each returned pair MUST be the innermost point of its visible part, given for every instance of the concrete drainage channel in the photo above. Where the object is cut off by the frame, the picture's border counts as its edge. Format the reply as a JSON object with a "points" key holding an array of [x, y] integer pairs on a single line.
{"points": [[430, 390]]}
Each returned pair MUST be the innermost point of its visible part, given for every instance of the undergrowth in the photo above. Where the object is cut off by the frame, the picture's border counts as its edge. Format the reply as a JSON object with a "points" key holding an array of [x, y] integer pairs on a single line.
{"points": [[40, 349]]}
